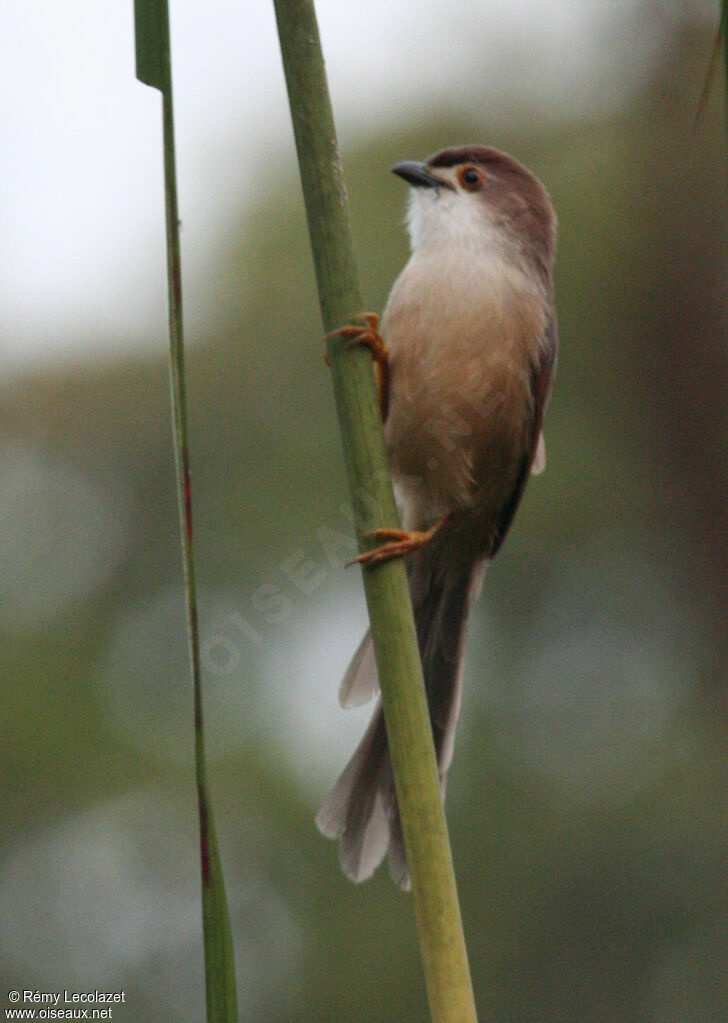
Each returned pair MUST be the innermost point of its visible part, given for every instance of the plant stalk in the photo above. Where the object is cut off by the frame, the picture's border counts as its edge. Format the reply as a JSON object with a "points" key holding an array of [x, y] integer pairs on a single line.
{"points": [[154, 68], [406, 714]]}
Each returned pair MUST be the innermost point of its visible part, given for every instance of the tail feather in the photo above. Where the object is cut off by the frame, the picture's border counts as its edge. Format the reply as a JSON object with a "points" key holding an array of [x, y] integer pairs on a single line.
{"points": [[360, 682], [356, 809], [361, 809], [440, 598]]}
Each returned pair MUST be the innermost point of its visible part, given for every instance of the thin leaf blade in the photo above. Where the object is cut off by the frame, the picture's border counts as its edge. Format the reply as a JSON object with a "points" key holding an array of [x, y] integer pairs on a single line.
{"points": [[153, 68], [151, 34]]}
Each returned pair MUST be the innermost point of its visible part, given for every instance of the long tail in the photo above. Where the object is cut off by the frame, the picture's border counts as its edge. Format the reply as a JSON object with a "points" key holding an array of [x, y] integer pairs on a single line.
{"points": [[361, 809]]}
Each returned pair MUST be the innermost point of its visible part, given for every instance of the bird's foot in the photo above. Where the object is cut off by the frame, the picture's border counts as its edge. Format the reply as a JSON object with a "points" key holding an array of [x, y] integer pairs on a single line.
{"points": [[398, 543], [368, 334]]}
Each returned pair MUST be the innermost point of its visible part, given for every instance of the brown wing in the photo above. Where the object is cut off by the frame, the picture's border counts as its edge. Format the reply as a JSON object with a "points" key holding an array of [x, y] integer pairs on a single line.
{"points": [[542, 377]]}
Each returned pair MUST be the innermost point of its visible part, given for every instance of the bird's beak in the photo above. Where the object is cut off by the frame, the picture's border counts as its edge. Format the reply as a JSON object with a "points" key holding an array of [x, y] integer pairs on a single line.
{"points": [[418, 175]]}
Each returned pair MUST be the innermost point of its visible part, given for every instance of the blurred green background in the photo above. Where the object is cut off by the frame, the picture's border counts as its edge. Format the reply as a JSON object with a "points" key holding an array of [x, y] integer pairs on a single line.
{"points": [[587, 801]]}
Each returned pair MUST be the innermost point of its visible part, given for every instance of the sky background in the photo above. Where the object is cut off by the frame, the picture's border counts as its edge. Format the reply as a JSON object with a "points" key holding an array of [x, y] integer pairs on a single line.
{"points": [[81, 216]]}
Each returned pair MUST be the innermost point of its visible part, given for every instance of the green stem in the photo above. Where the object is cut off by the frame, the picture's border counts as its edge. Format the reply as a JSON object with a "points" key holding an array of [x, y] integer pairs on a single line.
{"points": [[219, 967], [405, 706], [154, 68]]}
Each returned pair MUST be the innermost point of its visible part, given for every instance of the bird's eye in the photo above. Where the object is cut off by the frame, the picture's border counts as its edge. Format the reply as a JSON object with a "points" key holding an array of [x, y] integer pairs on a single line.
{"points": [[471, 178]]}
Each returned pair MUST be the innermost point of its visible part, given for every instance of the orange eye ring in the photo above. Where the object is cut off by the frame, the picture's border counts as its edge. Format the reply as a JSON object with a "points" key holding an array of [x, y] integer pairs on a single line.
{"points": [[471, 177]]}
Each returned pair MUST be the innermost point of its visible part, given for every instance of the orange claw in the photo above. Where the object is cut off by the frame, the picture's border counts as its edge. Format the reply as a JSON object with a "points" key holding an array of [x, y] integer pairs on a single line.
{"points": [[369, 335], [399, 543]]}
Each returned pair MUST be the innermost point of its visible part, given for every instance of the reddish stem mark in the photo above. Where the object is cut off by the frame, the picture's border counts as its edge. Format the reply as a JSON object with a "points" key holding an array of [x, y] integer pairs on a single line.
{"points": [[204, 842]]}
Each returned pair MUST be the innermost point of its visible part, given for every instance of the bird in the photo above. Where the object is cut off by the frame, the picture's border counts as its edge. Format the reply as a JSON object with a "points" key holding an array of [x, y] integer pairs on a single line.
{"points": [[466, 352]]}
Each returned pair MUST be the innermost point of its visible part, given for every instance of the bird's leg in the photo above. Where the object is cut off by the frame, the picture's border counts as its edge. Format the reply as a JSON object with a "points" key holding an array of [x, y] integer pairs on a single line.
{"points": [[398, 543], [369, 335]]}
